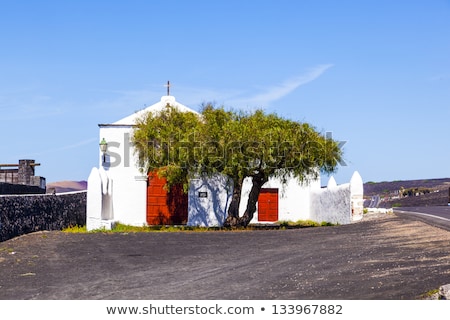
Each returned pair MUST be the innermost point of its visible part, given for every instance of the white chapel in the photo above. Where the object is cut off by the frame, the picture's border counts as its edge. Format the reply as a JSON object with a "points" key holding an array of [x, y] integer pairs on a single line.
{"points": [[120, 191]]}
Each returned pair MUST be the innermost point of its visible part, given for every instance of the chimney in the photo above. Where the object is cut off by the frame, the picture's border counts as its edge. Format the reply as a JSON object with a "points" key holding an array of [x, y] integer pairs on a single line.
{"points": [[26, 171]]}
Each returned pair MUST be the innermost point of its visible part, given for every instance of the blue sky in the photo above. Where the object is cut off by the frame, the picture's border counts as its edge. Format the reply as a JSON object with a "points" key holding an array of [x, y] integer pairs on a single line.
{"points": [[374, 73]]}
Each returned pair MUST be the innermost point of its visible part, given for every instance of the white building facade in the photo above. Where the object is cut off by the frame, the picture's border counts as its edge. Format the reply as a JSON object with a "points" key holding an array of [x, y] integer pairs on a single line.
{"points": [[119, 191]]}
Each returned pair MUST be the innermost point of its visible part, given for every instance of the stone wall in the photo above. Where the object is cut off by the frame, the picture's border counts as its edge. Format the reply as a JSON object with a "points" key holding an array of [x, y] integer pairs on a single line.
{"points": [[29, 213], [9, 188], [9, 176]]}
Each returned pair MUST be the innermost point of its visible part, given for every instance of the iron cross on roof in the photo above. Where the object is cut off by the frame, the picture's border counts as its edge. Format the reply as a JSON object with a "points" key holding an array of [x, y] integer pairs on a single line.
{"points": [[168, 88]]}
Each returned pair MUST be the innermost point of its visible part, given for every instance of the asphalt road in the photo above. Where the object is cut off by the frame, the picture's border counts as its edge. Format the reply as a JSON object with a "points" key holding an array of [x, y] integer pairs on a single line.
{"points": [[394, 256], [435, 215]]}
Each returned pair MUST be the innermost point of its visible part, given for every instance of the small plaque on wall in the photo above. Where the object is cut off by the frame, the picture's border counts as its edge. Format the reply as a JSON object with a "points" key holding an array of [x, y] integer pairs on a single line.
{"points": [[203, 194]]}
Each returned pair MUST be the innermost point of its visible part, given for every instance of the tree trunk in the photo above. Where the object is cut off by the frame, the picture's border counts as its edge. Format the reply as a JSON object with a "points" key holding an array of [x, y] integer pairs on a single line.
{"points": [[233, 210], [257, 182], [233, 219]]}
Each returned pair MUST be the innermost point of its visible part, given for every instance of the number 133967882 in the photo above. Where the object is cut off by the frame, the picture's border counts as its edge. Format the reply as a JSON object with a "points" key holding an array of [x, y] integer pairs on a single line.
{"points": [[307, 309]]}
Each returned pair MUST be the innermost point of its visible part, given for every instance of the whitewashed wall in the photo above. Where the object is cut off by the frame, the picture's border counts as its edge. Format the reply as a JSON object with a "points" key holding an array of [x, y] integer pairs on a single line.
{"points": [[99, 213], [357, 196], [94, 201], [129, 185], [209, 199], [293, 198], [340, 204], [336, 204], [331, 204]]}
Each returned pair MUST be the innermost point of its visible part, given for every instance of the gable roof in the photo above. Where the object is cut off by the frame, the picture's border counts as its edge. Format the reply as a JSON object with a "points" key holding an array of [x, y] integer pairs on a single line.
{"points": [[131, 119]]}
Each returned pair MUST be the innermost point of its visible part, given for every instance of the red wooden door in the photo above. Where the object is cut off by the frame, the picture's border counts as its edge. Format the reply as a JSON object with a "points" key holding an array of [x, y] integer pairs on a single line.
{"points": [[165, 207], [268, 205]]}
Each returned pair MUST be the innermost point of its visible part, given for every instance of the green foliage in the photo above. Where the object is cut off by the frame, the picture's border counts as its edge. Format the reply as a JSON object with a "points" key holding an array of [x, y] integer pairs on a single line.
{"points": [[238, 144], [153, 228], [242, 143], [327, 224], [75, 229], [305, 224], [430, 294], [123, 228]]}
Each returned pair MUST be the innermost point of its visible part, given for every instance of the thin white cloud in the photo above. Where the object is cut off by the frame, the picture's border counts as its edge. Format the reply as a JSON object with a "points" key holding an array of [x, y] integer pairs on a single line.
{"points": [[26, 105], [78, 144], [279, 91], [74, 145]]}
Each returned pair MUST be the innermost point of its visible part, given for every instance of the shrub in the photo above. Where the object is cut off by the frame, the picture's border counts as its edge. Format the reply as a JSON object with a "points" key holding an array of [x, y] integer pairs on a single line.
{"points": [[75, 229]]}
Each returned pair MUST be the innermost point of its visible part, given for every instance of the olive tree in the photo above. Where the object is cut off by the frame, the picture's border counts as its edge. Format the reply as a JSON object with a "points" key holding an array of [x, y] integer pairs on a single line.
{"points": [[238, 144], [259, 146]]}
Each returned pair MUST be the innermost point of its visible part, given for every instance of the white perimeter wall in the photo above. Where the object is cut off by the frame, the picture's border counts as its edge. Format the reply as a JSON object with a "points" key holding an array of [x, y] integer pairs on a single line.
{"points": [[341, 204], [331, 204]]}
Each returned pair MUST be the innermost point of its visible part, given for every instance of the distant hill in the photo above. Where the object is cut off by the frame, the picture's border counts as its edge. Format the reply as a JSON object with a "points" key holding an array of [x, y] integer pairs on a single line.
{"points": [[66, 186], [409, 193]]}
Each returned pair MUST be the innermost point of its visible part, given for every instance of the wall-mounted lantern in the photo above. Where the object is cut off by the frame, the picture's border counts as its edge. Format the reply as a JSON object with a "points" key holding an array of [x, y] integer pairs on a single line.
{"points": [[103, 148]]}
